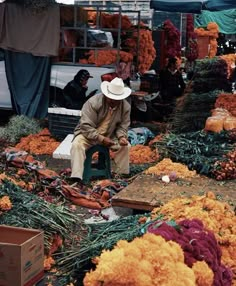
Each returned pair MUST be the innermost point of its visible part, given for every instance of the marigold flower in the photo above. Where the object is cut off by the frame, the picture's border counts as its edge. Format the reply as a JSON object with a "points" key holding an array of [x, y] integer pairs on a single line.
{"points": [[5, 203]]}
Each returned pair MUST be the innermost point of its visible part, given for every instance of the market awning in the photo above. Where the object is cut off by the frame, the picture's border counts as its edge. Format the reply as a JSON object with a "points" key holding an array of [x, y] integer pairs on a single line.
{"points": [[224, 19], [192, 6], [183, 6], [219, 5]]}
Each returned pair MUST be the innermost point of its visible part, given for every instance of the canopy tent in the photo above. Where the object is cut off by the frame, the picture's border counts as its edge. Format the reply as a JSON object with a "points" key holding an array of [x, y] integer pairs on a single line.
{"points": [[224, 19], [192, 6], [183, 6], [219, 5]]}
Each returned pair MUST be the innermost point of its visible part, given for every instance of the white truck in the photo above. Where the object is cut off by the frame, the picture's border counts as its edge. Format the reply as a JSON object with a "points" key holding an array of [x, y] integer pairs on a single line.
{"points": [[61, 74]]}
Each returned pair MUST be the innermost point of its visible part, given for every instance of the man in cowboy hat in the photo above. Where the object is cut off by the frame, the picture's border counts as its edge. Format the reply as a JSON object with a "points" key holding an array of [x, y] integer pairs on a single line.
{"points": [[105, 119]]}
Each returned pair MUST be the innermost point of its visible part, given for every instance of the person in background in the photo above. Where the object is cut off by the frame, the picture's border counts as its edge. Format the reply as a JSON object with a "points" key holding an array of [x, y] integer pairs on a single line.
{"points": [[171, 84], [105, 119], [74, 93]]}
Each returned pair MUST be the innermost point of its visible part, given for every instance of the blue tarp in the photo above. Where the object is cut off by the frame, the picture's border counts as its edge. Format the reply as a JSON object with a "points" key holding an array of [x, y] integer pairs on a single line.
{"points": [[183, 6], [226, 20], [28, 78], [192, 6]]}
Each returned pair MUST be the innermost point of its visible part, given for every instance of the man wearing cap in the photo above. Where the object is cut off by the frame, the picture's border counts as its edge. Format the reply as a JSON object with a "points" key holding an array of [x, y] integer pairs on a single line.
{"points": [[105, 119], [74, 93]]}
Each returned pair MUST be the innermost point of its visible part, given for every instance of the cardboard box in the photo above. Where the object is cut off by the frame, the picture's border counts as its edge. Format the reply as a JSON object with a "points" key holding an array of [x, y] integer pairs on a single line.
{"points": [[21, 256]]}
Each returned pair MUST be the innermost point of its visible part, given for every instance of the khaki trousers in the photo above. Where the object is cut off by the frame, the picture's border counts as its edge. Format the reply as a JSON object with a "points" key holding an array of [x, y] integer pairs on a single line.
{"points": [[79, 146]]}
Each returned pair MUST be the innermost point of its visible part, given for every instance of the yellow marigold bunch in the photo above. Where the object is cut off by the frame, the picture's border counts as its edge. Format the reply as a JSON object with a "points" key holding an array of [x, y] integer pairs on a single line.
{"points": [[148, 260], [204, 275], [140, 154], [166, 166], [216, 216], [5, 203]]}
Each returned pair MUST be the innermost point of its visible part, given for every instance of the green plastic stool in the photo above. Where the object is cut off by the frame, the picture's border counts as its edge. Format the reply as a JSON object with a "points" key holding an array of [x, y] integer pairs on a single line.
{"points": [[100, 169]]}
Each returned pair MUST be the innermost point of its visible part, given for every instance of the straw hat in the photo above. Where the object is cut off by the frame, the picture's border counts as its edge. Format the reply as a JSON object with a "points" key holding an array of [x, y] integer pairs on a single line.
{"points": [[115, 89]]}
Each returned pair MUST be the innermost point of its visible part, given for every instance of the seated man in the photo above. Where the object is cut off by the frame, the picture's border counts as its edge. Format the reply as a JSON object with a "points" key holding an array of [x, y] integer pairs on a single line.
{"points": [[105, 119]]}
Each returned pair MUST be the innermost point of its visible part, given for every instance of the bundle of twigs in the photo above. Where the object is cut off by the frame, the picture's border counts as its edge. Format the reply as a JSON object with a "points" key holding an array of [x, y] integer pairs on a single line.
{"points": [[192, 110], [30, 211]]}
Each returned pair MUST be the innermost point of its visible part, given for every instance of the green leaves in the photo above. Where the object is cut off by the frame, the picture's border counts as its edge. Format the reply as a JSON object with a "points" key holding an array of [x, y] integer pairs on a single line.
{"points": [[198, 150]]}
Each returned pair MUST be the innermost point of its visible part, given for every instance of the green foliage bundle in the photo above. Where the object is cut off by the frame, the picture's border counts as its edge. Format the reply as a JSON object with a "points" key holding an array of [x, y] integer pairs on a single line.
{"points": [[191, 114], [211, 74], [31, 211], [19, 126], [197, 150]]}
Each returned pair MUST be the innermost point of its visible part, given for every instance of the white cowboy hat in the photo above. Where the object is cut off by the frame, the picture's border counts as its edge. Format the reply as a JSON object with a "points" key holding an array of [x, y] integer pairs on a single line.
{"points": [[115, 89]]}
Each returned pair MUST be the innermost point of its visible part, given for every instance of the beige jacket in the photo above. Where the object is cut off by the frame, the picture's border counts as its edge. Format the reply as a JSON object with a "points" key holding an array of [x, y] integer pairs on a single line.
{"points": [[93, 113]]}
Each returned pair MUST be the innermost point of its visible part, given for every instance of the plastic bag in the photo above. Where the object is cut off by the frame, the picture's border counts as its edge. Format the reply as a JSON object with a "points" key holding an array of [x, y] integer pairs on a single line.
{"points": [[139, 135]]}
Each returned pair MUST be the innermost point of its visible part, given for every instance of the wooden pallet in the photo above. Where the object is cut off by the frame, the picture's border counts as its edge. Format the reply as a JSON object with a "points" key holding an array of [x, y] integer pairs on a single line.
{"points": [[147, 192]]}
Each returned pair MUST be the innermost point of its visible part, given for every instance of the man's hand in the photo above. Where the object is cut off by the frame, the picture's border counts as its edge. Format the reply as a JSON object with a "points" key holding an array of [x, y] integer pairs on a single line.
{"points": [[108, 142], [123, 141]]}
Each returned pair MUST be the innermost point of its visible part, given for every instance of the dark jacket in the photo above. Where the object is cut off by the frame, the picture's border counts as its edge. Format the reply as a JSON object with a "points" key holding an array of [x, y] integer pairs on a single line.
{"points": [[74, 95], [172, 85]]}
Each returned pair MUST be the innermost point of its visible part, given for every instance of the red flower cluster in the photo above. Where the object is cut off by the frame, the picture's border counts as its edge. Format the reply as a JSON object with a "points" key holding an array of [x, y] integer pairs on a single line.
{"points": [[173, 48], [191, 37]]}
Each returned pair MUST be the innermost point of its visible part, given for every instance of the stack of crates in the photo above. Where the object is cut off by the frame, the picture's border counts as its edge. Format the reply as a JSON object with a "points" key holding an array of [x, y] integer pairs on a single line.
{"points": [[62, 121]]}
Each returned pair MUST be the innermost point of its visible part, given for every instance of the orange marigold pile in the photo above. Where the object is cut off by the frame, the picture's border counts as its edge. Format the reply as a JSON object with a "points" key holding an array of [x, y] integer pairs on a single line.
{"points": [[140, 154], [41, 143], [166, 167], [147, 260], [226, 101]]}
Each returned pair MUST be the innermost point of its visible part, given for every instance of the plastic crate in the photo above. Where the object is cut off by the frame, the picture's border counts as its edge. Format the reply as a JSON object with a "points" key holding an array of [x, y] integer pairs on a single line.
{"points": [[62, 121]]}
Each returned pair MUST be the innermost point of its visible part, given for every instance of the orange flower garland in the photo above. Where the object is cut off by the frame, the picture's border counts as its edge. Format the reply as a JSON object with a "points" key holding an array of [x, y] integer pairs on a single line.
{"points": [[231, 62], [106, 57], [212, 31]]}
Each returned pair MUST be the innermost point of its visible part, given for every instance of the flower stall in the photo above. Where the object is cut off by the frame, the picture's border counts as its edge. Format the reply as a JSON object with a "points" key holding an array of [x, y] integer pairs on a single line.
{"points": [[105, 36]]}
